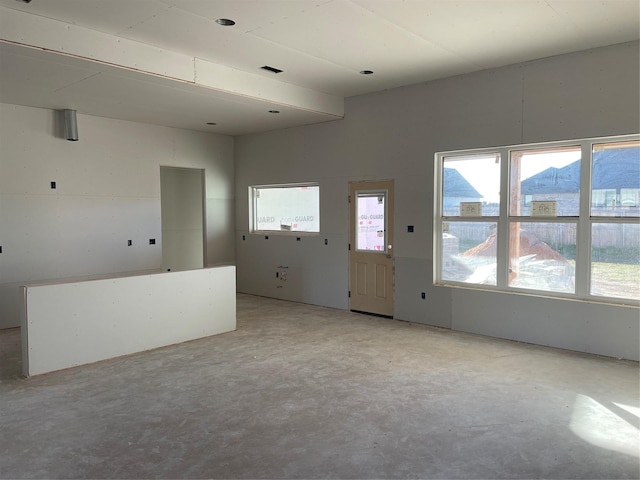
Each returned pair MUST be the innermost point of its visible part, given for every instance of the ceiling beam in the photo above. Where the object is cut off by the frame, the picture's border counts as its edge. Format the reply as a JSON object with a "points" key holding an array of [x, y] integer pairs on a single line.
{"points": [[62, 38]]}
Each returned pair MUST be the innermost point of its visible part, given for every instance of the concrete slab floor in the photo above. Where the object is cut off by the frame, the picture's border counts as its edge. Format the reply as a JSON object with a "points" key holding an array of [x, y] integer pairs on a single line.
{"points": [[307, 392]]}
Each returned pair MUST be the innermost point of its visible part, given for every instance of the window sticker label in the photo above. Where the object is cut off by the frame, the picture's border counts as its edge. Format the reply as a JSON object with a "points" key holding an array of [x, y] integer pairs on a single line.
{"points": [[547, 208], [470, 209]]}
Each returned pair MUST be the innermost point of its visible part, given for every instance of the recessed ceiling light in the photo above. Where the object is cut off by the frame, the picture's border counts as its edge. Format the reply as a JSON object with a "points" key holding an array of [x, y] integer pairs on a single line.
{"points": [[211, 123], [366, 72], [225, 22], [274, 111]]}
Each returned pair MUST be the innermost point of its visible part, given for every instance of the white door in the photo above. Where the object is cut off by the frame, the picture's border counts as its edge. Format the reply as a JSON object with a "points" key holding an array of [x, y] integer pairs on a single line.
{"points": [[371, 247]]}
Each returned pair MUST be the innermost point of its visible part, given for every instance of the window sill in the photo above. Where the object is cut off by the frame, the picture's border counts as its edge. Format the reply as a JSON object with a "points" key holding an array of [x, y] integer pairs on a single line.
{"points": [[621, 302]]}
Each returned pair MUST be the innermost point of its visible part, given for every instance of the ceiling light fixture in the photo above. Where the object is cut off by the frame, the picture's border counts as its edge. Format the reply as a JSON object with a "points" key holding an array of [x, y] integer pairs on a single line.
{"points": [[366, 72], [225, 22], [70, 125], [274, 111]]}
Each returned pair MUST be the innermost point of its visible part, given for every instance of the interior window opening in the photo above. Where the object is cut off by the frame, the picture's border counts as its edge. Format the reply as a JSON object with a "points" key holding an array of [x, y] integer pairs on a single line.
{"points": [[285, 208]]}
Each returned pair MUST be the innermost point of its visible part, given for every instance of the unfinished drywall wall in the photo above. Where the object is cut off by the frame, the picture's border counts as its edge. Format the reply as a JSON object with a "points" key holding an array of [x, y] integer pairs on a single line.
{"points": [[107, 193], [69, 324], [394, 134], [182, 201]]}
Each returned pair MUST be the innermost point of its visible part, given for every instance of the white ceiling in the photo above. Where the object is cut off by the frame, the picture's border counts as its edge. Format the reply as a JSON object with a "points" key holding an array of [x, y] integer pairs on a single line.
{"points": [[90, 54]]}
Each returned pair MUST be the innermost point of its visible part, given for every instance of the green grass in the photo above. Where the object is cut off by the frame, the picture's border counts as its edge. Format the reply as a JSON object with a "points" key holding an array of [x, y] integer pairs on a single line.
{"points": [[616, 279]]}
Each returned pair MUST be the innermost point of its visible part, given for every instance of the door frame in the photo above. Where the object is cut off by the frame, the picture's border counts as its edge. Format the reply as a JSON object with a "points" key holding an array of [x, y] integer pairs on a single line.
{"points": [[168, 171], [373, 186]]}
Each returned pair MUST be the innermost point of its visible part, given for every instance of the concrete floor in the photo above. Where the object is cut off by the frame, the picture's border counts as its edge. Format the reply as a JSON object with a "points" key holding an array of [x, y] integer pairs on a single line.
{"points": [[306, 392]]}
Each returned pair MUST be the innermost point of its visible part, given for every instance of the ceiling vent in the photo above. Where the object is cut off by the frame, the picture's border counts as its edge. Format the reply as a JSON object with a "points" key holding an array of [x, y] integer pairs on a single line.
{"points": [[271, 69]]}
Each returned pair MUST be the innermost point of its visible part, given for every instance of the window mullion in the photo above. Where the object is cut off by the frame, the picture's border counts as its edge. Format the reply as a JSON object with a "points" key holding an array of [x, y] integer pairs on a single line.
{"points": [[502, 260], [583, 234]]}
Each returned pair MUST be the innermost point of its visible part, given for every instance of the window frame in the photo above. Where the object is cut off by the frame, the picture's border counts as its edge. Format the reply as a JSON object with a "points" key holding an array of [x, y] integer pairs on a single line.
{"points": [[253, 210], [584, 221]]}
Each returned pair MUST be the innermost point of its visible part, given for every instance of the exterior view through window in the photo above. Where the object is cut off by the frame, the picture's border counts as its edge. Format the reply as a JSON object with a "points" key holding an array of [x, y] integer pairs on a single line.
{"points": [[560, 219], [370, 216], [544, 184], [474, 235], [286, 208], [615, 208]]}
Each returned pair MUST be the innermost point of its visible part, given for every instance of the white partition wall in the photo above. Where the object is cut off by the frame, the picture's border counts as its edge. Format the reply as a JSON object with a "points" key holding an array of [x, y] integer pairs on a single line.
{"points": [[70, 324]]}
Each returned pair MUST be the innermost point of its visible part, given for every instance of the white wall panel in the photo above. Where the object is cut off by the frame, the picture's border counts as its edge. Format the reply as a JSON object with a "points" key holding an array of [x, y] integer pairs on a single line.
{"points": [[395, 134], [220, 240], [310, 276], [70, 324], [589, 94], [49, 237], [108, 192], [410, 282], [582, 326]]}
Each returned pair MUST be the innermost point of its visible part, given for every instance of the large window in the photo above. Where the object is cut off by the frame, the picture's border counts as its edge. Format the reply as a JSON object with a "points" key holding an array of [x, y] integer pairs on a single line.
{"points": [[471, 201], [285, 208], [559, 219]]}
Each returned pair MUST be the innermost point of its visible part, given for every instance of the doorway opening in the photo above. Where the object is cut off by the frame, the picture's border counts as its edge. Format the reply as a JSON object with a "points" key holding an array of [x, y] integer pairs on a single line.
{"points": [[182, 197]]}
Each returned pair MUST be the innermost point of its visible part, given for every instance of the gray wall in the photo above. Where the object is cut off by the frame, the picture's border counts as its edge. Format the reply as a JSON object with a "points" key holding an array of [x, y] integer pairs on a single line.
{"points": [[394, 134], [181, 200], [108, 191]]}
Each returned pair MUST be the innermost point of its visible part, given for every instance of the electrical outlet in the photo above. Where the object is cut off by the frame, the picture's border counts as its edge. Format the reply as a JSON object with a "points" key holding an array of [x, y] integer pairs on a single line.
{"points": [[129, 243], [152, 241], [423, 295]]}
